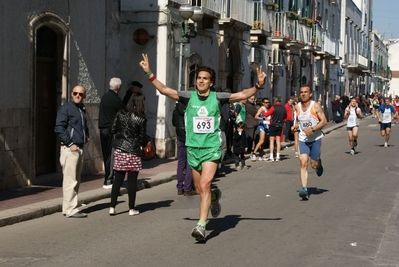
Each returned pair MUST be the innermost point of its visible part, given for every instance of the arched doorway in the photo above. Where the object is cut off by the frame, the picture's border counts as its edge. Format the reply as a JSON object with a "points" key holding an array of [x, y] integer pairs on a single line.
{"points": [[46, 100], [233, 64], [49, 45]]}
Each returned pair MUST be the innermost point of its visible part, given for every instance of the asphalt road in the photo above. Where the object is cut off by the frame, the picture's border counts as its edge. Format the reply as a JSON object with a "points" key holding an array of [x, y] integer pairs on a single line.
{"points": [[351, 218]]}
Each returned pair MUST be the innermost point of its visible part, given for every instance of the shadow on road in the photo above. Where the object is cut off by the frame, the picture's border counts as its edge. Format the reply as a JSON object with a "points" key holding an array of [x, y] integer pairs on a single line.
{"points": [[220, 225], [316, 191], [142, 207]]}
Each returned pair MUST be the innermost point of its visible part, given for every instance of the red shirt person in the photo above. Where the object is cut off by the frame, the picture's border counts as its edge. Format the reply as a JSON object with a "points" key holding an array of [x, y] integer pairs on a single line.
{"points": [[279, 115], [289, 119]]}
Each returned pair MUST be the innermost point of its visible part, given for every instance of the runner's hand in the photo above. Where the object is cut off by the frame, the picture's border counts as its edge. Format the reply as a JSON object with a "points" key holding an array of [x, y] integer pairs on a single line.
{"points": [[261, 76], [308, 131], [145, 64]]}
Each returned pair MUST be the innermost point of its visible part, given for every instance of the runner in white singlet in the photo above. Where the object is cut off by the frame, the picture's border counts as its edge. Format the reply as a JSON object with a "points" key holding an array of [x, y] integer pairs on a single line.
{"points": [[353, 114], [310, 120]]}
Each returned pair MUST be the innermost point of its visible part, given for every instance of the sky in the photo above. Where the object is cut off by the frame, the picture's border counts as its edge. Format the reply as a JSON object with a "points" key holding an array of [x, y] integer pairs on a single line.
{"points": [[385, 18]]}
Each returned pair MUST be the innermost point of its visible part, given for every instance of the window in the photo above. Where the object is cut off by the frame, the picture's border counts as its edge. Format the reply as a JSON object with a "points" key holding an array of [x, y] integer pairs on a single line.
{"points": [[293, 5], [306, 9]]}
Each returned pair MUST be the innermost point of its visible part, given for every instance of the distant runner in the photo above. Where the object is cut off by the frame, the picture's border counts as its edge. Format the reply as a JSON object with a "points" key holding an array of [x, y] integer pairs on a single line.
{"points": [[386, 110], [353, 113]]}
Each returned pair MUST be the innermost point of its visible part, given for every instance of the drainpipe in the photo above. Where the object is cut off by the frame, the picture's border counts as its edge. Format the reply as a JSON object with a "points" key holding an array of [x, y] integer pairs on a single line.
{"points": [[311, 59]]}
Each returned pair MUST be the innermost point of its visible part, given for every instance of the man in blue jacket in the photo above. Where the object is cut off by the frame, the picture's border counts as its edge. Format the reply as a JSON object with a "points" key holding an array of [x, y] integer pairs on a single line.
{"points": [[72, 130]]}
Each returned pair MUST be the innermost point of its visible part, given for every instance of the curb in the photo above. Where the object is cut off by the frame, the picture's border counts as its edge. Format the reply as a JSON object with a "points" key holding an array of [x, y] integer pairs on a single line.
{"points": [[52, 206]]}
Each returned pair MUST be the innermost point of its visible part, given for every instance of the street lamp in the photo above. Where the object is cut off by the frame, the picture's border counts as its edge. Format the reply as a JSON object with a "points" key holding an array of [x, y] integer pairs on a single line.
{"points": [[195, 14]]}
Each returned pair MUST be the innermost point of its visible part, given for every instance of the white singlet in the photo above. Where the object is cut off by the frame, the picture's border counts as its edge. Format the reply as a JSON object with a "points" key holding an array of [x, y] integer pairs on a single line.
{"points": [[387, 115], [353, 120], [307, 119]]}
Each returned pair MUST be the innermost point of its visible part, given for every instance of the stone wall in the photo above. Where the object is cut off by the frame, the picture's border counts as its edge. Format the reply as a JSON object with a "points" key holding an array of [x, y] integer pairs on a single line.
{"points": [[15, 148]]}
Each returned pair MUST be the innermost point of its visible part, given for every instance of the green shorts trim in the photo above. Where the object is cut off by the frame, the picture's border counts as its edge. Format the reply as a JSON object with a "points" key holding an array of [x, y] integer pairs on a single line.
{"points": [[196, 156]]}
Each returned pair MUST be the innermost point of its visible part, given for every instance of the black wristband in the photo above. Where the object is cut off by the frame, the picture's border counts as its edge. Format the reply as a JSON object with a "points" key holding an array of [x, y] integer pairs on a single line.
{"points": [[258, 87]]}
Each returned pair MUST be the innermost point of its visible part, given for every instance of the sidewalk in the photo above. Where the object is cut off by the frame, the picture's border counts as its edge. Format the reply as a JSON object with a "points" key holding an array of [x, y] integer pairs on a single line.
{"points": [[36, 201]]}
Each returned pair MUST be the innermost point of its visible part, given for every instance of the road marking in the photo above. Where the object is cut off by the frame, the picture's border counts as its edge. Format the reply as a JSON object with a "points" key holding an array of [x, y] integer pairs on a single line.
{"points": [[372, 125]]}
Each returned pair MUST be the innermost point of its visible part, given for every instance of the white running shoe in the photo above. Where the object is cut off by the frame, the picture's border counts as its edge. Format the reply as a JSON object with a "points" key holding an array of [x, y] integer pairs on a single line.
{"points": [[253, 157], [385, 144], [352, 152], [133, 212], [107, 186], [260, 159], [277, 159], [199, 233]]}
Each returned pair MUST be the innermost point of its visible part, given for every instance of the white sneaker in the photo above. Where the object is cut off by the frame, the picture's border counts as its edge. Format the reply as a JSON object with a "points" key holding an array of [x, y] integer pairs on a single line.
{"points": [[270, 160], [108, 186], [352, 152], [386, 144], [264, 158], [277, 159], [253, 157], [112, 211], [260, 159], [133, 212]]}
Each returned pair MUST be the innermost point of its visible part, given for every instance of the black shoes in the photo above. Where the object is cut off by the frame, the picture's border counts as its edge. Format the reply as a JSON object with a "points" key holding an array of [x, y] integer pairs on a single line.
{"points": [[190, 193]]}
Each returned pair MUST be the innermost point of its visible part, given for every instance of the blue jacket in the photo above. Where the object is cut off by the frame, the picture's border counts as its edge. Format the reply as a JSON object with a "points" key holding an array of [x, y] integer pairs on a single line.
{"points": [[71, 124]]}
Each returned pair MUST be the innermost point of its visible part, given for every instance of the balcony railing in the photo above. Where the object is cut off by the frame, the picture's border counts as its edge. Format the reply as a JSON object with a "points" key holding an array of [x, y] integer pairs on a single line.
{"points": [[238, 10], [291, 29], [317, 37], [284, 27], [330, 45], [212, 5], [356, 60], [263, 18], [304, 34]]}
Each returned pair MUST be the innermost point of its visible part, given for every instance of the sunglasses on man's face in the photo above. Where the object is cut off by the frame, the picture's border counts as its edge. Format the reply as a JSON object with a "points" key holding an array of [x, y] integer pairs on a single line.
{"points": [[77, 93]]}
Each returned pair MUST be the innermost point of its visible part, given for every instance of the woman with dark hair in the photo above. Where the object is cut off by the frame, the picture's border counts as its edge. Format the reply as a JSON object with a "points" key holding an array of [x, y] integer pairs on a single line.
{"points": [[129, 128]]}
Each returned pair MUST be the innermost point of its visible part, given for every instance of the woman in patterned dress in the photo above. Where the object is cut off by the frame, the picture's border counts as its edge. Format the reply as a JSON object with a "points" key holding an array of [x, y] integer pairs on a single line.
{"points": [[129, 128]]}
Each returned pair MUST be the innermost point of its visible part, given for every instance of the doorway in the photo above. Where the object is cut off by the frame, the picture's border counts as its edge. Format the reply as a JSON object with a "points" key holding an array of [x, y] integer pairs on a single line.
{"points": [[47, 60]]}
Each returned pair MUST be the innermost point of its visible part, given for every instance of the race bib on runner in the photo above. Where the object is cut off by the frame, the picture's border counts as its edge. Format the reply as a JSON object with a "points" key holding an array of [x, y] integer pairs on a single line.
{"points": [[203, 125], [306, 124]]}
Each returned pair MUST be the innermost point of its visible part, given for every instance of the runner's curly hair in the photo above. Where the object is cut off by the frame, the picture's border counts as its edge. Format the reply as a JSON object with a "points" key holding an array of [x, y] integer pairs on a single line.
{"points": [[211, 72]]}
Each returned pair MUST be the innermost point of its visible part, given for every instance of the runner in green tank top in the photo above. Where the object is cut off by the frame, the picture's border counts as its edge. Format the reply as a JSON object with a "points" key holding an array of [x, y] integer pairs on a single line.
{"points": [[203, 133]]}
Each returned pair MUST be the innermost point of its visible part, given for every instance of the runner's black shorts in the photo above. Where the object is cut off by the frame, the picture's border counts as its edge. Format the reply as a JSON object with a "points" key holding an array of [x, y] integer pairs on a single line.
{"points": [[275, 130]]}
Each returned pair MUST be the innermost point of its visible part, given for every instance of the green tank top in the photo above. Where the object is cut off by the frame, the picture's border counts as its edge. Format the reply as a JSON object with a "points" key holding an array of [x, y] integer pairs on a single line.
{"points": [[202, 121], [241, 117]]}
